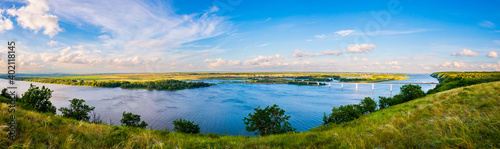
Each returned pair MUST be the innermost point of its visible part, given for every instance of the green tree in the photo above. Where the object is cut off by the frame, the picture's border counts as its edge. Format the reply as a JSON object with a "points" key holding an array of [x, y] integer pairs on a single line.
{"points": [[410, 92], [368, 105], [38, 99], [341, 114], [5, 94], [77, 110], [186, 126], [132, 120], [270, 120], [384, 102]]}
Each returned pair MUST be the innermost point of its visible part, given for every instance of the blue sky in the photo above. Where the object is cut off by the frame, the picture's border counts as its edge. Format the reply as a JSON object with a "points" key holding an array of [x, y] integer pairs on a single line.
{"points": [[97, 36]]}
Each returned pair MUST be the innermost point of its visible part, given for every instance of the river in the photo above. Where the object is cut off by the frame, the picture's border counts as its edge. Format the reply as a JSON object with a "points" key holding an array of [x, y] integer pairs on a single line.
{"points": [[219, 108]]}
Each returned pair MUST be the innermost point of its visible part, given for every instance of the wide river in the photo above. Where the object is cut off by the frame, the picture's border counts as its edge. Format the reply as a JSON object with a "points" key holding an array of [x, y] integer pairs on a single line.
{"points": [[220, 108]]}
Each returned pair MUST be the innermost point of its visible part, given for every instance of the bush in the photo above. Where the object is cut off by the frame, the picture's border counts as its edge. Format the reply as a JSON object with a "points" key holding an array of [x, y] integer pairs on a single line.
{"points": [[5, 94], [132, 120], [185, 126], [267, 121], [342, 114], [368, 105], [410, 92], [77, 110], [383, 102], [38, 99]]}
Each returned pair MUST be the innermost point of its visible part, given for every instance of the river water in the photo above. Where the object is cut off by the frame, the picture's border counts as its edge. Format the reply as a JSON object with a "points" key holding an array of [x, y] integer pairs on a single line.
{"points": [[220, 108]]}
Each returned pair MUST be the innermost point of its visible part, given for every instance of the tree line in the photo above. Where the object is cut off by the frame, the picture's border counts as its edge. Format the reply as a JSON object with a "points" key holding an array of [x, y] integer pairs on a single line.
{"points": [[151, 85], [451, 80]]}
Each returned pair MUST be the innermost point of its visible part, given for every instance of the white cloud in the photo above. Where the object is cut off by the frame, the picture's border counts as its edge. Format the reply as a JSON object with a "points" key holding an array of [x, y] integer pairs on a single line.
{"points": [[103, 37], [262, 45], [355, 59], [493, 66], [496, 42], [34, 16], [487, 24], [344, 32], [142, 24], [459, 64], [299, 53], [335, 52], [5, 23], [493, 54], [320, 36], [465, 52], [262, 60], [363, 48], [53, 43], [453, 64], [392, 63]]}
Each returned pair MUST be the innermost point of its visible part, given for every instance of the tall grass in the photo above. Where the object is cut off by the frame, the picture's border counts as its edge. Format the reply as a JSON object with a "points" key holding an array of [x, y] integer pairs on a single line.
{"points": [[466, 117]]}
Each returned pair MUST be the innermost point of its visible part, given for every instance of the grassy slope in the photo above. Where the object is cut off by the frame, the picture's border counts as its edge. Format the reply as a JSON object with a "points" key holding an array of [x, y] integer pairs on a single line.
{"points": [[465, 117]]}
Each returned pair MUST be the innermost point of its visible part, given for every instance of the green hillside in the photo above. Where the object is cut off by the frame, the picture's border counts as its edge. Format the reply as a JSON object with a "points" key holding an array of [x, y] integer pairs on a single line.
{"points": [[466, 117]]}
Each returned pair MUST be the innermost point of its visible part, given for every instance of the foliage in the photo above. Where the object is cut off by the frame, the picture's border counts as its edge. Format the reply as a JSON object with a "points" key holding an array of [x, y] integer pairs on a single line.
{"points": [[410, 92], [267, 121], [384, 102], [151, 85], [368, 105], [77, 110], [38, 99], [407, 93], [132, 120], [450, 80], [185, 126], [344, 113], [5, 93], [304, 83]]}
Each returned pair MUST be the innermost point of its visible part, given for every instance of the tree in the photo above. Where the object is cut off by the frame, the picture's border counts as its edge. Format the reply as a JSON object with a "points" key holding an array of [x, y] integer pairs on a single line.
{"points": [[5, 94], [77, 110], [383, 102], [270, 120], [342, 114], [132, 120], [185, 126], [38, 99], [410, 92], [368, 105]]}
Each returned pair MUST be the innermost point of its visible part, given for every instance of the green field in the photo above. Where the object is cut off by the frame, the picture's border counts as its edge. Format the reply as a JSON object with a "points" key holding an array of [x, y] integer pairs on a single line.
{"points": [[466, 117]]}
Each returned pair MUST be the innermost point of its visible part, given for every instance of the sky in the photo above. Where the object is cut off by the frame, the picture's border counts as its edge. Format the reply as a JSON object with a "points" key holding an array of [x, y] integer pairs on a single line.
{"points": [[152, 36]]}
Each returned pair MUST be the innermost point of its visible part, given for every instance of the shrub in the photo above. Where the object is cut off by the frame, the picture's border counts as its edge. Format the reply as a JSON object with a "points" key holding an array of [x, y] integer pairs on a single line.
{"points": [[383, 102], [270, 120], [410, 92], [185, 126], [368, 105], [77, 110], [5, 94], [132, 120], [344, 113], [38, 99]]}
